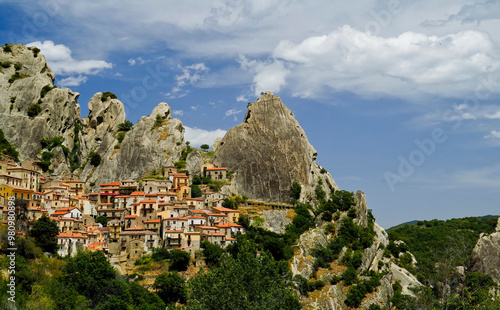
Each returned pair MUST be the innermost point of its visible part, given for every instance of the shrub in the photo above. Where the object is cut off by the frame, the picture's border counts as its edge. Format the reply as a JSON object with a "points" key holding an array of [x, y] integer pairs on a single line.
{"points": [[126, 126], [230, 203], [405, 258], [107, 95], [305, 286], [5, 64], [355, 296], [180, 164], [35, 51], [18, 66], [45, 90], [357, 259], [34, 110], [330, 228], [120, 136], [295, 191], [7, 48], [95, 159], [13, 99], [160, 254], [349, 276], [158, 121]]}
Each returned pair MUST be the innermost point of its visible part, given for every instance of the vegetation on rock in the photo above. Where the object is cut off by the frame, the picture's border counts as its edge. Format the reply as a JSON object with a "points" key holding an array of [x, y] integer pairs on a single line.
{"points": [[6, 148]]}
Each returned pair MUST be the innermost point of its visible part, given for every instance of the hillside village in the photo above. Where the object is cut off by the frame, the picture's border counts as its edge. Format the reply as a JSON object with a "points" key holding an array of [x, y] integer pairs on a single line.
{"points": [[140, 215]]}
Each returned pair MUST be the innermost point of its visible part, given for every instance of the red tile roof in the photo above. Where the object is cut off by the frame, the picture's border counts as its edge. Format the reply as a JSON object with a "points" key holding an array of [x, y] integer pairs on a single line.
{"points": [[138, 194]]}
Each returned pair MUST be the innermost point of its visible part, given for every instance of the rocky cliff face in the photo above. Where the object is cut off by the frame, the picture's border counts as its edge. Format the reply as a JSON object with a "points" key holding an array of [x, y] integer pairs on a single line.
{"points": [[269, 151], [486, 254], [22, 78], [332, 297], [148, 146]]}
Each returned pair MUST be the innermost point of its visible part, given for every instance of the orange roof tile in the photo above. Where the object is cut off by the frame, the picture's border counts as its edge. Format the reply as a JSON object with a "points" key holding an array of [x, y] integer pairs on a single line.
{"points": [[138, 194], [222, 209], [147, 201], [71, 235]]}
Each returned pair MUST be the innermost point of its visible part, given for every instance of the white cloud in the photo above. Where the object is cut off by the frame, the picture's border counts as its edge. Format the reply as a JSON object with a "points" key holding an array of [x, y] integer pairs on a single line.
{"points": [[73, 81], [62, 63], [190, 75], [199, 136], [241, 98], [411, 63], [140, 60], [233, 112], [178, 112], [195, 107], [269, 75], [475, 12], [495, 134], [494, 115]]}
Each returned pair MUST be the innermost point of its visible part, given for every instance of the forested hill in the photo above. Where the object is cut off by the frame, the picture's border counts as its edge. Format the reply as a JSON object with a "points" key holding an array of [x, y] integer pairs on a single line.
{"points": [[443, 251]]}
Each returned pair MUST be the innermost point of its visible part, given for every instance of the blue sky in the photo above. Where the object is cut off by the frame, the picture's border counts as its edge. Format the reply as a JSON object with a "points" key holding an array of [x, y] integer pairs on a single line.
{"points": [[399, 98]]}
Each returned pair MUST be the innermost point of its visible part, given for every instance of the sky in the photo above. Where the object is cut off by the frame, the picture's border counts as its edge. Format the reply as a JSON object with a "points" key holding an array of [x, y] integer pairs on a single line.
{"points": [[399, 98]]}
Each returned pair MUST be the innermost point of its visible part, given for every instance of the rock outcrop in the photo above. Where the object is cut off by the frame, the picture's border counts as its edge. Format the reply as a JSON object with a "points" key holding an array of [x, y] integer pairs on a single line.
{"points": [[486, 254], [23, 75], [194, 162], [332, 297], [269, 151], [26, 81], [148, 146]]}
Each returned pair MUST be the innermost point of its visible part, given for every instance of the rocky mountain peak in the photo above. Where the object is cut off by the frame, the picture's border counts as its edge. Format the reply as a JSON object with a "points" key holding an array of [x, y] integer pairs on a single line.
{"points": [[31, 107], [162, 109], [269, 151]]}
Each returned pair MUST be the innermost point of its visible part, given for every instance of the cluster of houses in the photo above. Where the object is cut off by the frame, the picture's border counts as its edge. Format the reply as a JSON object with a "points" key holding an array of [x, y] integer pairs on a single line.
{"points": [[141, 215]]}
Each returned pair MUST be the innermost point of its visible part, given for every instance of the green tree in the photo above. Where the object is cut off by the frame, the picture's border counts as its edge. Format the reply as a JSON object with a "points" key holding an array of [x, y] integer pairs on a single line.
{"points": [[255, 282], [205, 147], [103, 220], [179, 260], [195, 191], [212, 252], [230, 203], [91, 275], [45, 233], [171, 287], [295, 191], [143, 299], [126, 126]]}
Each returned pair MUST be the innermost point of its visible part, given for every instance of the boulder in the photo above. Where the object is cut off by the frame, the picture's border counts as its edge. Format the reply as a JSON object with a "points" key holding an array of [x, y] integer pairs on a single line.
{"points": [[486, 254]]}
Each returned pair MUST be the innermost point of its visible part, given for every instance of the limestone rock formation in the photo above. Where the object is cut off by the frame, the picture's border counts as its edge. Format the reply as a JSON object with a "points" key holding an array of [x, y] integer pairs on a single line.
{"points": [[333, 296], [150, 144], [269, 151], [486, 254], [27, 81], [194, 162], [275, 220], [216, 143], [21, 85]]}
